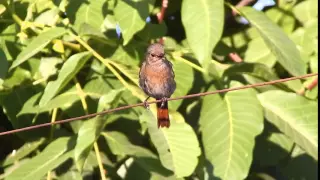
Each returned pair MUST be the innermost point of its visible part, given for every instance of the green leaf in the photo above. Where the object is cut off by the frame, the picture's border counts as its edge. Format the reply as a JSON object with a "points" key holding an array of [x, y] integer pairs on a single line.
{"points": [[19, 96], [3, 66], [62, 101], [131, 16], [283, 18], [278, 42], [82, 11], [153, 31], [86, 30], [203, 22], [37, 44], [91, 129], [69, 69], [295, 116], [178, 146], [258, 52], [132, 54], [23, 151], [254, 69], [120, 145], [306, 10], [229, 127], [52, 156], [48, 17], [48, 66], [184, 78]]}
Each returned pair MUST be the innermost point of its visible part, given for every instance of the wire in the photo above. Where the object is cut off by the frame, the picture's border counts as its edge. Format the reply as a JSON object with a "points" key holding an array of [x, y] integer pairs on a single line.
{"points": [[152, 102]]}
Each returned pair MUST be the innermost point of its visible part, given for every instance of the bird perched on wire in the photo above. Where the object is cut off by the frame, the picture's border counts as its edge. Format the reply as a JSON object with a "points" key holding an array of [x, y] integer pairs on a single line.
{"points": [[156, 79]]}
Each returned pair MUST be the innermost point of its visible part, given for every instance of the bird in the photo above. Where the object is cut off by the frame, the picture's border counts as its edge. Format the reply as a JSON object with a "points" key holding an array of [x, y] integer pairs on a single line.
{"points": [[156, 79]]}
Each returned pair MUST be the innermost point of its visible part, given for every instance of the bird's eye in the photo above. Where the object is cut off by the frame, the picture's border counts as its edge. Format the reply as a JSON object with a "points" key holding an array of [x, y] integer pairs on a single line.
{"points": [[153, 55]]}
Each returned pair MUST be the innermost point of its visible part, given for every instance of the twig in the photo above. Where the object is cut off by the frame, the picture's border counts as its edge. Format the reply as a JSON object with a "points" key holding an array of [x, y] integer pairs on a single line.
{"points": [[235, 57], [160, 15], [152, 102], [313, 84], [240, 4], [309, 86]]}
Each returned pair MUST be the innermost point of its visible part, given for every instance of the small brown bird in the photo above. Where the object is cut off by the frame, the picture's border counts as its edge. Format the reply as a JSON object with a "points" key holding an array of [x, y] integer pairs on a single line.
{"points": [[156, 78]]}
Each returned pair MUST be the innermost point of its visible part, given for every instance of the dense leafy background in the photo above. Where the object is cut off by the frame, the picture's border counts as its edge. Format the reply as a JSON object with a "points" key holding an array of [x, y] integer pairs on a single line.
{"points": [[63, 58]]}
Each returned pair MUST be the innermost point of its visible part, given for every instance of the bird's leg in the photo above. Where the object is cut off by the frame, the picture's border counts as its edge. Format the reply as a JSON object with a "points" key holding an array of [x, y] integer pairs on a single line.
{"points": [[145, 104], [163, 100]]}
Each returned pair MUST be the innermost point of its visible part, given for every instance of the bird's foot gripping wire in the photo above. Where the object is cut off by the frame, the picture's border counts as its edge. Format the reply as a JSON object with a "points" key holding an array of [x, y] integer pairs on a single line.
{"points": [[163, 100], [145, 103]]}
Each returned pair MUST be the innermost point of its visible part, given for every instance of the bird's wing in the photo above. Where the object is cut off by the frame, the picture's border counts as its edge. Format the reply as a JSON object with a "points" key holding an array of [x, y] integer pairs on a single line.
{"points": [[142, 76]]}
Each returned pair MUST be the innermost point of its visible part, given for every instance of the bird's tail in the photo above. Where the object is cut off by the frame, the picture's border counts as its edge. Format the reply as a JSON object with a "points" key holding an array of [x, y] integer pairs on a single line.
{"points": [[163, 114]]}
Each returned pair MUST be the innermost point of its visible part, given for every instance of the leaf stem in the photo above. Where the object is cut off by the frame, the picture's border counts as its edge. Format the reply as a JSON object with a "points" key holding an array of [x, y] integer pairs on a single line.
{"points": [[97, 151], [53, 119], [106, 62], [232, 7], [180, 58], [82, 96]]}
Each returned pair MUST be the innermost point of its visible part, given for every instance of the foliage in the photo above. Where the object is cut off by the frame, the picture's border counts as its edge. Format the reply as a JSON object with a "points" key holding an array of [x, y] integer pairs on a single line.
{"points": [[62, 59]]}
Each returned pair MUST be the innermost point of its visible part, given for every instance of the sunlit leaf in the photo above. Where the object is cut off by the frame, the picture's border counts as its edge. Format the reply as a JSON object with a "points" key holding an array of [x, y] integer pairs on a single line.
{"points": [[278, 42], [23, 151], [295, 116], [91, 129], [48, 66], [37, 44], [306, 10], [258, 52], [82, 11], [203, 22], [120, 145], [52, 156], [177, 146], [184, 77], [131, 16], [229, 127], [69, 69]]}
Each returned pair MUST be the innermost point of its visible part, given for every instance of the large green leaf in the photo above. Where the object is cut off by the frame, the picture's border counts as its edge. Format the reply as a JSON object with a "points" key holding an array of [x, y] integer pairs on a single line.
{"points": [[52, 156], [90, 12], [178, 146], [131, 16], [229, 127], [203, 22], [278, 42], [91, 129], [37, 44], [69, 69], [295, 116]]}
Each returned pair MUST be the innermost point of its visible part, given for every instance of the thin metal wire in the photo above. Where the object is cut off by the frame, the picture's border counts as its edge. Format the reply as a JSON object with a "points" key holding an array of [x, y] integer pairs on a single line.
{"points": [[142, 104]]}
